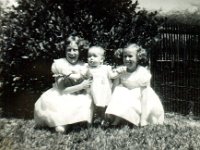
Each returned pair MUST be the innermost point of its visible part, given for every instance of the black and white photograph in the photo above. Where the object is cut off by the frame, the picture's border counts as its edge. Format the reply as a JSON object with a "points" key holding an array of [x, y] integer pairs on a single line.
{"points": [[99, 75]]}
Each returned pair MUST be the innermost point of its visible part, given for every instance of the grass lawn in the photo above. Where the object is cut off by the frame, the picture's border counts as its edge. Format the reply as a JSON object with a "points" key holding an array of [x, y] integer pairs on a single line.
{"points": [[178, 133]]}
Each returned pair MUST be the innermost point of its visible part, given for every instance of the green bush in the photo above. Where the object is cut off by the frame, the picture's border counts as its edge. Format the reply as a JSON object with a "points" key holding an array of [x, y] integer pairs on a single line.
{"points": [[34, 34]]}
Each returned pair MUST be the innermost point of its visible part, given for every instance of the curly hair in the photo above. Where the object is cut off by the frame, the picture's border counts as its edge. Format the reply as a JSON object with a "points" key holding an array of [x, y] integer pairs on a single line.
{"points": [[81, 43], [142, 55]]}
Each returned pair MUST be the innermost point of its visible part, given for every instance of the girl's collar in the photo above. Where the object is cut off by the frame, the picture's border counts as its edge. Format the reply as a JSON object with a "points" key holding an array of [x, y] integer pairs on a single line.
{"points": [[99, 66], [77, 63], [132, 70]]}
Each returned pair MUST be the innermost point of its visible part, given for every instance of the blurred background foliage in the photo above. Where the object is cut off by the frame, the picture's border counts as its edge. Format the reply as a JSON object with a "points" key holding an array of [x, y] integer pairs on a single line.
{"points": [[34, 33], [183, 17]]}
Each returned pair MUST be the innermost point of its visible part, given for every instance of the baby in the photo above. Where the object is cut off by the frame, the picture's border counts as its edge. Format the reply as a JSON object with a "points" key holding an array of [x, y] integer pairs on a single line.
{"points": [[101, 87]]}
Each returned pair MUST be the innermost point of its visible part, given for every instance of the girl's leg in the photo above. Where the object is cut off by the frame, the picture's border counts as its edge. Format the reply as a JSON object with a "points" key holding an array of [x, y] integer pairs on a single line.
{"points": [[113, 120], [117, 121]]}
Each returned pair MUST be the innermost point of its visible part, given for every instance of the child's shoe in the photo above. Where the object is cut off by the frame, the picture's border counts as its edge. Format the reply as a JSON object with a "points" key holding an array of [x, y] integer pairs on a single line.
{"points": [[60, 129]]}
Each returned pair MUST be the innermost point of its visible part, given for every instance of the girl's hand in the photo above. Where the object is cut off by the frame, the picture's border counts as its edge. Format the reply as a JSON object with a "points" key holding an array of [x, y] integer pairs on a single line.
{"points": [[75, 76], [121, 69], [86, 83]]}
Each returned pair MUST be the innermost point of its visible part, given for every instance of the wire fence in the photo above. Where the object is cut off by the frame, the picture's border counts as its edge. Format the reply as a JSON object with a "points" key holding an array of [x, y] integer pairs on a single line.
{"points": [[176, 68]]}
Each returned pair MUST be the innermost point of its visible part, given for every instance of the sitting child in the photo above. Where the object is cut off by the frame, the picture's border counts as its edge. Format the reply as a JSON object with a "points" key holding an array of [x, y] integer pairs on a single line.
{"points": [[64, 104], [133, 99]]}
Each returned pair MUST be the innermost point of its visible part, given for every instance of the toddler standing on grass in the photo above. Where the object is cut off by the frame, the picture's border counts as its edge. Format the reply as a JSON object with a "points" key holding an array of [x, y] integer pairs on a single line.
{"points": [[101, 87], [133, 99]]}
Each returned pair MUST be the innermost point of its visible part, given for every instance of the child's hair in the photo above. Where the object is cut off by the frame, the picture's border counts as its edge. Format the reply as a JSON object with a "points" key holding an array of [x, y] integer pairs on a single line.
{"points": [[80, 43], [142, 55], [100, 48]]}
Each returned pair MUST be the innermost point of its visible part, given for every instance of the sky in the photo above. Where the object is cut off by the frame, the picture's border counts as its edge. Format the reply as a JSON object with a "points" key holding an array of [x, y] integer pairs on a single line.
{"points": [[170, 5], [164, 5]]}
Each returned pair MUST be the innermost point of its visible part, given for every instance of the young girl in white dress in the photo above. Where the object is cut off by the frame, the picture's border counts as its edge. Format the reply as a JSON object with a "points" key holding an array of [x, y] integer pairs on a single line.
{"points": [[101, 87], [133, 99], [66, 102]]}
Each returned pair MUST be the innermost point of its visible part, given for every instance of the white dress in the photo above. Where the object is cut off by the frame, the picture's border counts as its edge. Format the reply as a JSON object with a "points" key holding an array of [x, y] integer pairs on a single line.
{"points": [[135, 101], [101, 85], [54, 108]]}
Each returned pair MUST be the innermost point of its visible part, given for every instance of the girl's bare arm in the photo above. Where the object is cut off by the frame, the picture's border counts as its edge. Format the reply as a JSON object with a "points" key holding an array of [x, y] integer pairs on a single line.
{"points": [[115, 73], [83, 85]]}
